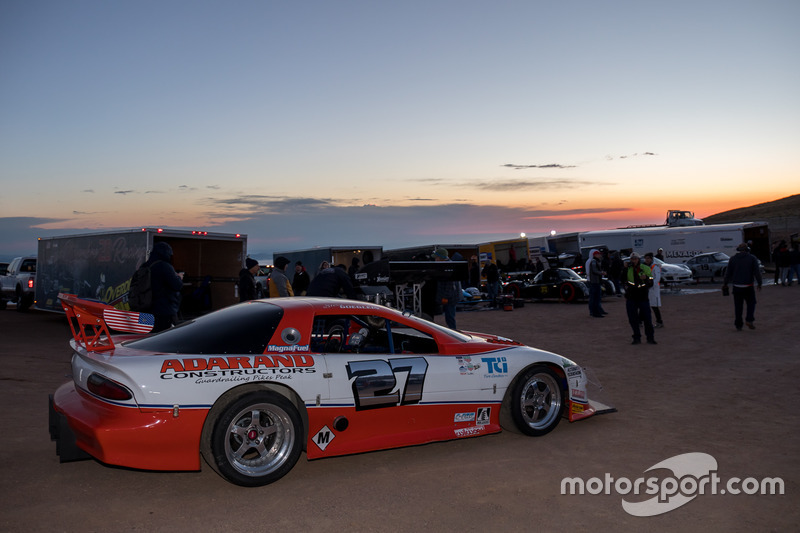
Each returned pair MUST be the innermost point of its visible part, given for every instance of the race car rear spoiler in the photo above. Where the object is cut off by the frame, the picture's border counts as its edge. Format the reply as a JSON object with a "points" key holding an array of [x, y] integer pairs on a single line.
{"points": [[90, 321]]}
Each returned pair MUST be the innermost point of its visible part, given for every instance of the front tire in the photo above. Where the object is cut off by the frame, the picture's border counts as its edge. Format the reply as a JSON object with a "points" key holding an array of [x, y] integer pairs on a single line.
{"points": [[537, 401], [257, 439]]}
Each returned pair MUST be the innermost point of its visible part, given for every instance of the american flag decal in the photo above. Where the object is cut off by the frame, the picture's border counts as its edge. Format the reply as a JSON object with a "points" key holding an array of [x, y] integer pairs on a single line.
{"points": [[129, 321]]}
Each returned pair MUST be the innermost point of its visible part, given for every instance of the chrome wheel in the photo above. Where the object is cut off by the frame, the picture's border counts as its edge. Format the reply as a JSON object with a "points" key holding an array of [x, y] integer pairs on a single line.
{"points": [[258, 439], [538, 401]]}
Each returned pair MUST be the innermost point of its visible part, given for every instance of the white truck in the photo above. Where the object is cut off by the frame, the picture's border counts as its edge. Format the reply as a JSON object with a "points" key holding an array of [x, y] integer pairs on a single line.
{"points": [[683, 242], [19, 282]]}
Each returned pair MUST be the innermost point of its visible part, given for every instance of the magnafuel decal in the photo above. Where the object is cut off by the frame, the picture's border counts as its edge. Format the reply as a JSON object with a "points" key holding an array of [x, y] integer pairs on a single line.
{"points": [[237, 368]]}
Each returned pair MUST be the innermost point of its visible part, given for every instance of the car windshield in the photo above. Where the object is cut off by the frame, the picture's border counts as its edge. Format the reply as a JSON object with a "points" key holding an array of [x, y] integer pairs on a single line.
{"points": [[566, 273], [719, 256], [239, 329]]}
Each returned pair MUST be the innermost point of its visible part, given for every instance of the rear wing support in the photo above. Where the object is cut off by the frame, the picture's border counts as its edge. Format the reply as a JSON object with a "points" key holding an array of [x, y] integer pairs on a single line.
{"points": [[86, 322]]}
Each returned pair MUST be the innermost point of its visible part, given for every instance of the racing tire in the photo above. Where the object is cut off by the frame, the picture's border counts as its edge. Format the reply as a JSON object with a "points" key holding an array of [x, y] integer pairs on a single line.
{"points": [[608, 286], [511, 289], [257, 439], [537, 401], [567, 292]]}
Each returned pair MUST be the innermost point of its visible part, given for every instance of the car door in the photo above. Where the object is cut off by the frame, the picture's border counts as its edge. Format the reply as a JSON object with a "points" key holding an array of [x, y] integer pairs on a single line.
{"points": [[390, 383], [703, 269]]}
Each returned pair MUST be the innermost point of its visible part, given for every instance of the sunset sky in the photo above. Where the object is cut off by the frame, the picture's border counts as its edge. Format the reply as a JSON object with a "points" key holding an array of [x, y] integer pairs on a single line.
{"points": [[390, 123]]}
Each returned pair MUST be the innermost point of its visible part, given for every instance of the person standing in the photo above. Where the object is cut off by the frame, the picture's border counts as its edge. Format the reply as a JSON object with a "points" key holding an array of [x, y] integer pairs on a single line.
{"points": [[447, 292], [782, 263], [594, 276], [247, 280], [278, 282], [638, 280], [474, 272], [654, 295], [301, 279], [744, 273], [331, 281], [794, 264], [492, 275], [166, 286]]}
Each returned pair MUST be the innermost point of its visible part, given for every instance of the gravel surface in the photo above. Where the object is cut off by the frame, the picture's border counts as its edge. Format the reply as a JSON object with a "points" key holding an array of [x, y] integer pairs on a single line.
{"points": [[704, 388]]}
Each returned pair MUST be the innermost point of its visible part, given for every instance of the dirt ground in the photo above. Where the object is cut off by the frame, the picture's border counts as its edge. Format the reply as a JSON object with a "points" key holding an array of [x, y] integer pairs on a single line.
{"points": [[703, 388]]}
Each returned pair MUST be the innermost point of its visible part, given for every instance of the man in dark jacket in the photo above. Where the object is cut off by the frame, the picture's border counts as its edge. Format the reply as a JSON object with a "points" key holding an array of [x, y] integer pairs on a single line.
{"points": [[329, 281], [166, 286], [301, 279], [247, 280], [743, 273]]}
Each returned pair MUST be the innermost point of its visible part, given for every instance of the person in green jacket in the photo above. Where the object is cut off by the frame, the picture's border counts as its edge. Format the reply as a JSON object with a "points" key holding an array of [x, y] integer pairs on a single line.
{"points": [[638, 280]]}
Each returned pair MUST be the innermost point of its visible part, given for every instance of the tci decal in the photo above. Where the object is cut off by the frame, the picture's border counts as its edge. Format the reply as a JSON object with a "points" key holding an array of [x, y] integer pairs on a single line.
{"points": [[191, 364], [375, 382], [496, 365]]}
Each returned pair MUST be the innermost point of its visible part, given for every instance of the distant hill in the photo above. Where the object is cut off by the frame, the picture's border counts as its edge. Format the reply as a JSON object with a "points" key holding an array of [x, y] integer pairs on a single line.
{"points": [[782, 215]]}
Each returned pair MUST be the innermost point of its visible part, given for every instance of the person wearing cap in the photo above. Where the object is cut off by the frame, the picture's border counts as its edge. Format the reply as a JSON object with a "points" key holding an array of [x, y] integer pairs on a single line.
{"points": [[594, 277], [247, 280], [660, 254], [301, 279], [448, 293], [744, 273], [279, 284], [638, 280]]}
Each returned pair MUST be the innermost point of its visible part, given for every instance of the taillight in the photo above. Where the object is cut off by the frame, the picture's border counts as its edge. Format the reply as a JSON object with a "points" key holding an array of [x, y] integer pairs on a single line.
{"points": [[30, 283], [105, 388]]}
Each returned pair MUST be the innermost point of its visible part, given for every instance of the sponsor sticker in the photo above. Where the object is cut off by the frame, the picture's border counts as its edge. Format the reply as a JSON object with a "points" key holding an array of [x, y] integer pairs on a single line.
{"points": [[495, 367], [323, 437], [464, 417], [466, 365], [483, 416], [468, 432]]}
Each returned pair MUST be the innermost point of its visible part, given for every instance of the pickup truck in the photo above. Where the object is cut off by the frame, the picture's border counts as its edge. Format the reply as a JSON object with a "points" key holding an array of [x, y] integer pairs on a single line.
{"points": [[18, 284]]}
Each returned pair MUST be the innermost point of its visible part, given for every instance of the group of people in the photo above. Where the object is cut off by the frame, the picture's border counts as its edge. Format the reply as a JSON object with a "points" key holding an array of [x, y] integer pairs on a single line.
{"points": [[638, 280], [787, 263], [328, 281], [640, 284]]}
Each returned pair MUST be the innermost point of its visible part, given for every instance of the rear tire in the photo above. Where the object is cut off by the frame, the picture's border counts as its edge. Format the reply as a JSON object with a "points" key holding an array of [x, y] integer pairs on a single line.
{"points": [[567, 292], [257, 439]]}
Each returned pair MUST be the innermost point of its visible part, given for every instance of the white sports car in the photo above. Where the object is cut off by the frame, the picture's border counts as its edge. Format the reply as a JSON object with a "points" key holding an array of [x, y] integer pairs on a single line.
{"points": [[250, 386]]}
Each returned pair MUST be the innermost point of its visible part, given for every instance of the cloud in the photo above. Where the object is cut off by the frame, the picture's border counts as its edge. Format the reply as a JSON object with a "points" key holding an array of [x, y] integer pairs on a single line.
{"points": [[629, 156], [278, 223], [262, 204], [534, 184], [551, 165], [124, 192]]}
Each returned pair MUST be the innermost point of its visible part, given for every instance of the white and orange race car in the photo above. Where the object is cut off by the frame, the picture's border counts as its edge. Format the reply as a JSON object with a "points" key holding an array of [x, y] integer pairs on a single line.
{"points": [[251, 386]]}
